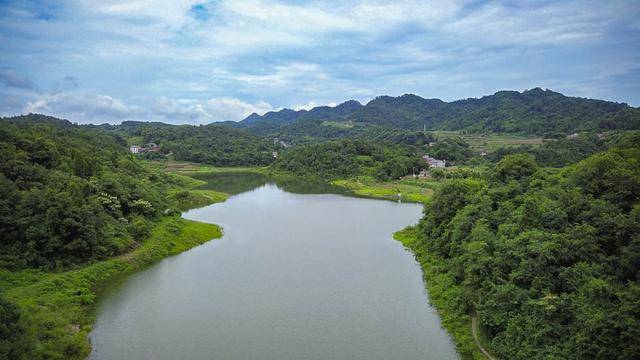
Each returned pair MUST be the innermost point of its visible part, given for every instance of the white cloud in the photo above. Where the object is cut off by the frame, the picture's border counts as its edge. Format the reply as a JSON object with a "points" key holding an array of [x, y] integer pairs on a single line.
{"points": [[90, 108], [541, 24], [83, 107], [310, 105], [206, 111], [160, 56], [283, 75]]}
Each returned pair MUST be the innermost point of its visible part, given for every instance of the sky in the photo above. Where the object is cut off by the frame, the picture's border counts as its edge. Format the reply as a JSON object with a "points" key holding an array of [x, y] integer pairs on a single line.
{"points": [[198, 62]]}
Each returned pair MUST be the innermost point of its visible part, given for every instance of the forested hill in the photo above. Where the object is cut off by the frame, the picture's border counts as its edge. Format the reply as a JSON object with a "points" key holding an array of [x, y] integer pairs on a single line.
{"points": [[549, 260], [534, 111], [70, 194], [213, 144]]}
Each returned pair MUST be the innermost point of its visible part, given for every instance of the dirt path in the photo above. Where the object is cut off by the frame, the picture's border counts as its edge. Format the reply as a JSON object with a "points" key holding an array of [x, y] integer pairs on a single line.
{"points": [[474, 331]]}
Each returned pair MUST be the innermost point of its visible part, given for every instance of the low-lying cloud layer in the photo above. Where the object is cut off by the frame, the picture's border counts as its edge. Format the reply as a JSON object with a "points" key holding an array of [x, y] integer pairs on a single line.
{"points": [[204, 61]]}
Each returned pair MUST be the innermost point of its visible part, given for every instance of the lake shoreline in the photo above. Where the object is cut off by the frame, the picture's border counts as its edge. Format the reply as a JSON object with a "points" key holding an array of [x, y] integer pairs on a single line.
{"points": [[442, 295], [112, 315], [63, 305]]}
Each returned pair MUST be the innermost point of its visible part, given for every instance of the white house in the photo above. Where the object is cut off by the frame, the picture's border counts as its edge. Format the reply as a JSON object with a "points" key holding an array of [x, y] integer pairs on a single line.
{"points": [[436, 163], [135, 149]]}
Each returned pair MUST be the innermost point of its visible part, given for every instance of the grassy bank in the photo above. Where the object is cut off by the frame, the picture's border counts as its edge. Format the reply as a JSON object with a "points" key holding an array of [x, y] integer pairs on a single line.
{"points": [[412, 190], [58, 308], [444, 295], [183, 167], [193, 199]]}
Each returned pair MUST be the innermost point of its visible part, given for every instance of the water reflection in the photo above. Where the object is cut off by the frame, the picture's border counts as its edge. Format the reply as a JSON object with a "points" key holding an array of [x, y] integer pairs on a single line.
{"points": [[239, 182]]}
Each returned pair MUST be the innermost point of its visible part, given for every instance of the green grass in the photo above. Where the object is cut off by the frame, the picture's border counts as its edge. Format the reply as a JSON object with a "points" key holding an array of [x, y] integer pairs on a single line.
{"points": [[186, 168], [339, 124], [58, 309], [444, 295], [412, 190], [490, 142], [192, 199]]}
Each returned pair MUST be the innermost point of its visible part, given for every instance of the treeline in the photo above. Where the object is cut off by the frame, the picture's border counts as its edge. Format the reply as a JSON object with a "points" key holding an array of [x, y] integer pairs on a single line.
{"points": [[548, 259], [212, 144], [349, 158], [71, 194], [310, 131], [566, 151], [557, 152]]}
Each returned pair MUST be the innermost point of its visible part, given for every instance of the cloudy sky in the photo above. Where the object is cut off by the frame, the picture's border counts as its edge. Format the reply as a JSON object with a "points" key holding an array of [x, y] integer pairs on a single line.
{"points": [[204, 61]]}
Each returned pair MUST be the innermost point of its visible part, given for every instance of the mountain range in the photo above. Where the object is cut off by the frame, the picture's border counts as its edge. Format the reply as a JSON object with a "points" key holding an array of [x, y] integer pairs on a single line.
{"points": [[534, 111]]}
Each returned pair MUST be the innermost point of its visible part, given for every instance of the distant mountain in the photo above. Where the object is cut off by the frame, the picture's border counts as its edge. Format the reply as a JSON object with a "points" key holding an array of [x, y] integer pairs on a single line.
{"points": [[319, 113], [534, 111]]}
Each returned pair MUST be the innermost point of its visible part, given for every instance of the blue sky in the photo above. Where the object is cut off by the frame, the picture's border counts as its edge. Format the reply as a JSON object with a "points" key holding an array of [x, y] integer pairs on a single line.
{"points": [[198, 62]]}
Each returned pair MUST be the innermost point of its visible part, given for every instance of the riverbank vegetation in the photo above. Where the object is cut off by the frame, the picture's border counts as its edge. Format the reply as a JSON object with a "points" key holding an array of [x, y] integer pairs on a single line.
{"points": [[72, 195], [444, 293], [48, 315], [76, 211], [411, 190], [548, 259]]}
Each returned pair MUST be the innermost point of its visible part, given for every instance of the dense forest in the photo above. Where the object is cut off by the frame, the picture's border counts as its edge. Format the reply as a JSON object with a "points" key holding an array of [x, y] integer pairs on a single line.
{"points": [[211, 144], [535, 111], [71, 194], [565, 151], [548, 259], [348, 158]]}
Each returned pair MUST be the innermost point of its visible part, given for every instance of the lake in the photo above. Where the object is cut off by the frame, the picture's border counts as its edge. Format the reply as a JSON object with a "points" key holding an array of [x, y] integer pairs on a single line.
{"points": [[295, 276]]}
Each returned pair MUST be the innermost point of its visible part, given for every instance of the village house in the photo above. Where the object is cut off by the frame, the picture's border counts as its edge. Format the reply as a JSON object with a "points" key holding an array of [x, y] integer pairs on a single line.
{"points": [[433, 162], [150, 147]]}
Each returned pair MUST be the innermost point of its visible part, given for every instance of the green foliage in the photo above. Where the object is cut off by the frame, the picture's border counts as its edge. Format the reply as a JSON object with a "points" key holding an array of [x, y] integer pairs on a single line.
{"points": [[348, 158], [13, 343], [191, 199], [557, 152], [412, 190], [515, 167], [549, 260], [454, 150], [50, 314], [208, 144], [444, 293], [68, 193]]}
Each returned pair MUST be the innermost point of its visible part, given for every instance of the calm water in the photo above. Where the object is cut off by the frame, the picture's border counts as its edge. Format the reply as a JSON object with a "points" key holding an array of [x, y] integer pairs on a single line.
{"points": [[294, 277]]}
